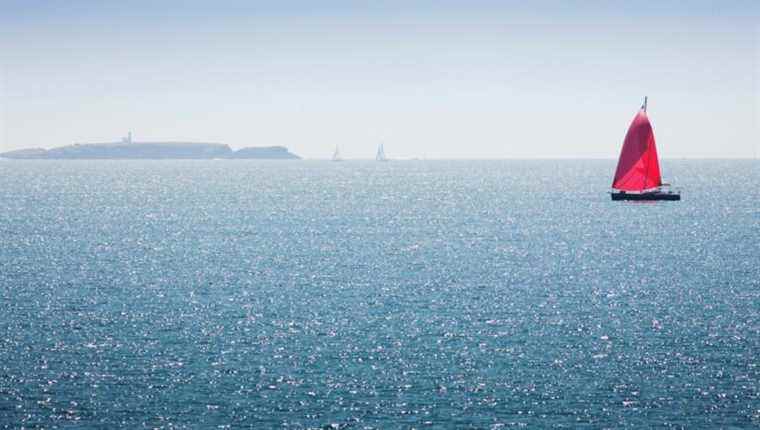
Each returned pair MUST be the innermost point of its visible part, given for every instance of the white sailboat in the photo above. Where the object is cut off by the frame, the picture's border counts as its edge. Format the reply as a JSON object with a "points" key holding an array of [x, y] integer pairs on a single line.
{"points": [[336, 155], [381, 154]]}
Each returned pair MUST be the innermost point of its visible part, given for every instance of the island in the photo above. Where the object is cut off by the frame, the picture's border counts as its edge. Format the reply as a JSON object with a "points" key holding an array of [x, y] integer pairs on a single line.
{"points": [[269, 152], [127, 149]]}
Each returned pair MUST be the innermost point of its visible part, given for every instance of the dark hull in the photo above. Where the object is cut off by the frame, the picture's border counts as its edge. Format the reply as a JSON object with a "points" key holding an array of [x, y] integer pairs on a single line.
{"points": [[654, 195]]}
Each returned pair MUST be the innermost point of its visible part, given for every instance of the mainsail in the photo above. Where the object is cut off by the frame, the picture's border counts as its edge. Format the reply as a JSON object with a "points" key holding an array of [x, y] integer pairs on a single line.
{"points": [[380, 153], [336, 155], [638, 168]]}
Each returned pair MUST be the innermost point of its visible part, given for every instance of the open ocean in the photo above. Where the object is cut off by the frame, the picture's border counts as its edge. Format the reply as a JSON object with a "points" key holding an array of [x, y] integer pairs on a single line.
{"points": [[362, 295]]}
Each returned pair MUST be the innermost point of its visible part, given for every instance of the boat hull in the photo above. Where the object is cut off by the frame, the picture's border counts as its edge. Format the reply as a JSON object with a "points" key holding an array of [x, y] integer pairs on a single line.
{"points": [[649, 196]]}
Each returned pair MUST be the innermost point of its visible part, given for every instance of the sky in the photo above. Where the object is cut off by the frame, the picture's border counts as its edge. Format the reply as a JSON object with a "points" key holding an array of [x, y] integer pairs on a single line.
{"points": [[432, 79]]}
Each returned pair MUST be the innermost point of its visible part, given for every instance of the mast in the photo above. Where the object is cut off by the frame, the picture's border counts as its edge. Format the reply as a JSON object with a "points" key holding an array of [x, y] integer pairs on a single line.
{"points": [[646, 162]]}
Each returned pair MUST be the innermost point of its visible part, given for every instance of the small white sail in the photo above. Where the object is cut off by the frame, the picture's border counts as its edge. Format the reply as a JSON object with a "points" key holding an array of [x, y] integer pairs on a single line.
{"points": [[380, 154], [336, 155]]}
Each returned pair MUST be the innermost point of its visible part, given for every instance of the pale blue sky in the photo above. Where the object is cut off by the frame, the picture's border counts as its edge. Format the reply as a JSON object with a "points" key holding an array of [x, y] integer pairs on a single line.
{"points": [[441, 79]]}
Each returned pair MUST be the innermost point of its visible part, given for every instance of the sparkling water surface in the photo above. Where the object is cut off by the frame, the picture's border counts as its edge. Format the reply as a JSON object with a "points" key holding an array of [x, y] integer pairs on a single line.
{"points": [[408, 294]]}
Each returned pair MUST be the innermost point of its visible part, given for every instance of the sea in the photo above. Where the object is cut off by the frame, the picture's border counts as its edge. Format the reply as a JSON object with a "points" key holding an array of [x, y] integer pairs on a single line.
{"points": [[365, 295]]}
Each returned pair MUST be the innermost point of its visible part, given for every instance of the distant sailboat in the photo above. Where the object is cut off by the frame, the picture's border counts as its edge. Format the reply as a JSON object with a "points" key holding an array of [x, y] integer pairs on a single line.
{"points": [[380, 154], [637, 176], [336, 155]]}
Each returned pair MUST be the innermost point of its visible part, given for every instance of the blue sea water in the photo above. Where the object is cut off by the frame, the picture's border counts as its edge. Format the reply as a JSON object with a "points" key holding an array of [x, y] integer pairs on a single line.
{"points": [[414, 294]]}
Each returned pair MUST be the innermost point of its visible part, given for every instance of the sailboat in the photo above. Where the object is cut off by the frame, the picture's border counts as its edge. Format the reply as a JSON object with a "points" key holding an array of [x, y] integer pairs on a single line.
{"points": [[336, 155], [637, 176], [380, 154]]}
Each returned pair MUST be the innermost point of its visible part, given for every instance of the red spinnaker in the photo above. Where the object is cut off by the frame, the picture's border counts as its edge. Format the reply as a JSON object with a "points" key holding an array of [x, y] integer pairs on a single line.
{"points": [[638, 168]]}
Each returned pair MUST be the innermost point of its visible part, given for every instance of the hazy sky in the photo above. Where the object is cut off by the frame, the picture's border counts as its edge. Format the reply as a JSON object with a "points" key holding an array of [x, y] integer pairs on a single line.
{"points": [[449, 79]]}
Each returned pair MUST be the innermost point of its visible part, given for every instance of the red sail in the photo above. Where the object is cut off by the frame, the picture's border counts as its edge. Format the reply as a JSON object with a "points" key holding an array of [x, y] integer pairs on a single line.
{"points": [[638, 168]]}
